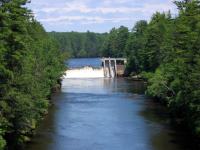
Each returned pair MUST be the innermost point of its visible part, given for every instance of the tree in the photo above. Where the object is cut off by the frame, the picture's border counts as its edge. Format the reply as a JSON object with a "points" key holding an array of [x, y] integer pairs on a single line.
{"points": [[180, 72], [76, 43], [114, 45], [155, 37], [30, 65], [135, 47]]}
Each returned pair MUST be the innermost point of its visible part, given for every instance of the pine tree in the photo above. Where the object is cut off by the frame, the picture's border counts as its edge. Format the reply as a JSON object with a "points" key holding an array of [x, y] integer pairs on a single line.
{"points": [[176, 80], [30, 65]]}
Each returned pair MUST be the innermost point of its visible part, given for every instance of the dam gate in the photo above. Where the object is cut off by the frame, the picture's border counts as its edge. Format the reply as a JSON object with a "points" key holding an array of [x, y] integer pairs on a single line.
{"points": [[114, 67]]}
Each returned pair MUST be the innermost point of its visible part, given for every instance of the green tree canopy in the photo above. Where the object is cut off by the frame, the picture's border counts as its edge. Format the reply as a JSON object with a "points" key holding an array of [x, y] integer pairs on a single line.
{"points": [[30, 65]]}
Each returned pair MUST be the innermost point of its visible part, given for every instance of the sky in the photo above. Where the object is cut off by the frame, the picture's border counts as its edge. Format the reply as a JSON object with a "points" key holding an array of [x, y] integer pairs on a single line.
{"points": [[95, 15]]}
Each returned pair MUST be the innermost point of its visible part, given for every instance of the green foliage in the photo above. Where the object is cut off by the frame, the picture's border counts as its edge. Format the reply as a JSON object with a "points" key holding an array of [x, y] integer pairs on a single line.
{"points": [[114, 45], [2, 131], [80, 44], [135, 48], [2, 143], [146, 45], [30, 65], [169, 49]]}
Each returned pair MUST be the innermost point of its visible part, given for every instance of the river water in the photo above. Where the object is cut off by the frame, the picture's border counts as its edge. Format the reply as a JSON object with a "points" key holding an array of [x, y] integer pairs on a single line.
{"points": [[106, 114]]}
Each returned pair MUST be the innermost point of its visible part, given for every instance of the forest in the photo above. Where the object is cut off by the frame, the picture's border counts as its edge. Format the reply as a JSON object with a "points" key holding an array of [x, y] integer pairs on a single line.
{"points": [[166, 52], [79, 45], [90, 44], [28, 72]]}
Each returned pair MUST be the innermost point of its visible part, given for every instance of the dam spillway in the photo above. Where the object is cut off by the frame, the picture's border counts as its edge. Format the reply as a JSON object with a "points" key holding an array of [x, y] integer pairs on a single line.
{"points": [[85, 72], [97, 68]]}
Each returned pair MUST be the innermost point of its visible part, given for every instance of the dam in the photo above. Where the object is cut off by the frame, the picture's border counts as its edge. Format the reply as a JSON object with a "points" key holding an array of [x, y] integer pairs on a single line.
{"points": [[103, 68]]}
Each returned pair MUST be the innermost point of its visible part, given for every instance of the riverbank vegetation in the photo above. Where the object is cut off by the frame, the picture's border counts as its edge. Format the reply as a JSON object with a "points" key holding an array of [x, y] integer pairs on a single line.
{"points": [[30, 65], [166, 51], [172, 55], [79, 45]]}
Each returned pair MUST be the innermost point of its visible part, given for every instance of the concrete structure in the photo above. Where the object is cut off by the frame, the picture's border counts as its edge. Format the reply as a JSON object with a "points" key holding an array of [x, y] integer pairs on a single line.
{"points": [[114, 67]]}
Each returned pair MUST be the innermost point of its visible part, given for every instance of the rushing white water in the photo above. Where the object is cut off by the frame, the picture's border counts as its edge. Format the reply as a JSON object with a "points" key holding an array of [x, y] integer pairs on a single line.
{"points": [[86, 72]]}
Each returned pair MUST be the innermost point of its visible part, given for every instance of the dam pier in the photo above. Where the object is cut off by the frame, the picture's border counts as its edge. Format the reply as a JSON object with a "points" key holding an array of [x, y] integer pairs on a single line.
{"points": [[114, 67]]}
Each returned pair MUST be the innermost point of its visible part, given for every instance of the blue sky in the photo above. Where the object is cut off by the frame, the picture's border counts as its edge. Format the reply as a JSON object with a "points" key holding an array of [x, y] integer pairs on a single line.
{"points": [[95, 15]]}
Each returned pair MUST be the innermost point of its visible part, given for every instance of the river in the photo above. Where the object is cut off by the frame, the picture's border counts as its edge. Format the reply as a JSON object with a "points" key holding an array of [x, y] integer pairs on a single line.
{"points": [[106, 114]]}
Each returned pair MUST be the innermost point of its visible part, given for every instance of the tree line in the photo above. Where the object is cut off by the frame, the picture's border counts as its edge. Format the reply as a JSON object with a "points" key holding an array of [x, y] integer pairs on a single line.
{"points": [[30, 65], [166, 52], [89, 44], [79, 45]]}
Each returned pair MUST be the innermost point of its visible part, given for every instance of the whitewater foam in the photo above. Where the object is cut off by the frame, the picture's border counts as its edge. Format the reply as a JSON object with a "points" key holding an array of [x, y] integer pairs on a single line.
{"points": [[85, 72]]}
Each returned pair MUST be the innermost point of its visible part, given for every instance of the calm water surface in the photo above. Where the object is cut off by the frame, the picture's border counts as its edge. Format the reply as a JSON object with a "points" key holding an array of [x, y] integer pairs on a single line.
{"points": [[105, 114], [81, 62]]}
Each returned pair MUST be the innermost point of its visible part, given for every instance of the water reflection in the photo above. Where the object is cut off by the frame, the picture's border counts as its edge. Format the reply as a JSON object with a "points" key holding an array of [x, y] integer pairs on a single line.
{"points": [[169, 136]]}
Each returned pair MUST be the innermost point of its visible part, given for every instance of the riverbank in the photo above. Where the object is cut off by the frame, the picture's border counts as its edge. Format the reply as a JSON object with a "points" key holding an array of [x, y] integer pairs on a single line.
{"points": [[176, 120]]}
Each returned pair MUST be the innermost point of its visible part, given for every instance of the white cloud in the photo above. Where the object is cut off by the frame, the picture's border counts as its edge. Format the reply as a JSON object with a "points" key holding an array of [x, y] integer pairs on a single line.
{"points": [[102, 12], [110, 2], [83, 8], [82, 19]]}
